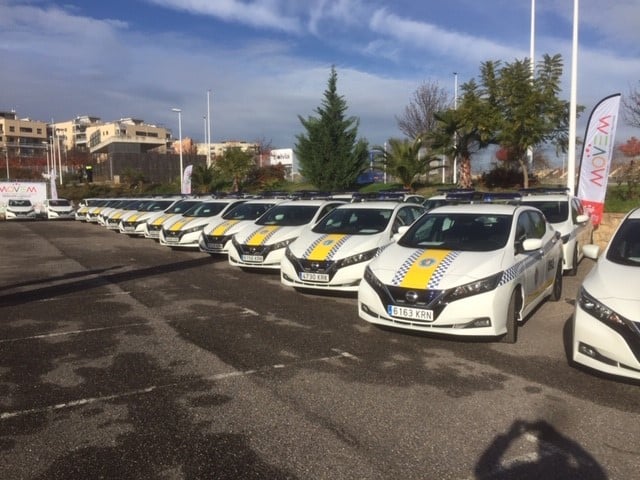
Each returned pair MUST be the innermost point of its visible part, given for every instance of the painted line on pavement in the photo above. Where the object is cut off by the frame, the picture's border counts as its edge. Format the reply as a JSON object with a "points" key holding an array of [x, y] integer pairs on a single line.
{"points": [[142, 391]]}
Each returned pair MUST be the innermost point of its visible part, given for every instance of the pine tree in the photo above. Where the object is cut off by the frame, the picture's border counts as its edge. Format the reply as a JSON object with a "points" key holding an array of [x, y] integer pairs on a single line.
{"points": [[329, 153]]}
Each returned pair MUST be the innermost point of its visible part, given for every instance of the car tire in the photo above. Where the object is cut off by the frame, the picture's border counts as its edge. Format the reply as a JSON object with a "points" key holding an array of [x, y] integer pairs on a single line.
{"points": [[572, 272], [512, 320], [556, 290]]}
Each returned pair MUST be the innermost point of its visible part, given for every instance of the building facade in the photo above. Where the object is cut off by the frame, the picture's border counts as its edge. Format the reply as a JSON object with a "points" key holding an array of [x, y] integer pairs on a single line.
{"points": [[73, 133], [22, 137]]}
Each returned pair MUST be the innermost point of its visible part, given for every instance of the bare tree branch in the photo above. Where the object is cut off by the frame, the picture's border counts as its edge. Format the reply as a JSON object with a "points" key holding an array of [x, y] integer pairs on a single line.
{"points": [[417, 119], [632, 108]]}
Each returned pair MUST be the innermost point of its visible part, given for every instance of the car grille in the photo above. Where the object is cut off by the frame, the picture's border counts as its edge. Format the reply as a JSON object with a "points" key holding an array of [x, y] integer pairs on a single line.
{"points": [[253, 249], [424, 297]]}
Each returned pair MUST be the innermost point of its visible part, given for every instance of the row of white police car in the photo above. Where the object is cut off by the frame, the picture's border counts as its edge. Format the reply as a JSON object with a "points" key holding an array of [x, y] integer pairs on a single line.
{"points": [[477, 265]]}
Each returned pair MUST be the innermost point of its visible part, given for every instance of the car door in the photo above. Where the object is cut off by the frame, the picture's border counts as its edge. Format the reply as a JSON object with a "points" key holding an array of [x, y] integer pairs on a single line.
{"points": [[530, 224], [584, 229]]}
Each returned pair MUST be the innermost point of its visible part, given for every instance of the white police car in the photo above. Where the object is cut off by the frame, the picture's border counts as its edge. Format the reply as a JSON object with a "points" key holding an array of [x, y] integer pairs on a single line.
{"points": [[474, 270], [567, 215], [261, 244], [185, 231], [606, 321], [217, 234], [153, 224], [332, 254], [19, 209], [58, 209], [132, 222]]}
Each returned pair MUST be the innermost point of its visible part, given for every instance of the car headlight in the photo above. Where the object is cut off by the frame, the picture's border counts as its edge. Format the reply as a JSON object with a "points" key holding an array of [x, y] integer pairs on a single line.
{"points": [[472, 288], [357, 258], [371, 278], [599, 310], [565, 238], [282, 244], [193, 229]]}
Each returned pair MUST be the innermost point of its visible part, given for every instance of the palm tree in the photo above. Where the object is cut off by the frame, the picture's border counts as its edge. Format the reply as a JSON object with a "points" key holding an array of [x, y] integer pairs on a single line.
{"points": [[463, 131], [404, 159], [202, 178]]}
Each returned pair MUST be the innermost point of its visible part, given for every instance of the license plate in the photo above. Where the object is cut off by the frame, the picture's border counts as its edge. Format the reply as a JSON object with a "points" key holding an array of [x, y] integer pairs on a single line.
{"points": [[171, 239], [314, 277], [410, 313], [252, 258], [129, 229], [217, 246]]}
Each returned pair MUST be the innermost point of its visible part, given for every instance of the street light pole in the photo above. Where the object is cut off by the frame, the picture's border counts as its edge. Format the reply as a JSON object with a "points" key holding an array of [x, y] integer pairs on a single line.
{"points": [[455, 135], [6, 156], [571, 159], [208, 135], [179, 112]]}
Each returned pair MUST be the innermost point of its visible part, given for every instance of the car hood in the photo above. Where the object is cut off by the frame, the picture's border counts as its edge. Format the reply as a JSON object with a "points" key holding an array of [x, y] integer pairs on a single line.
{"points": [[166, 219], [609, 283], [225, 227], [433, 268], [134, 216], [60, 208], [322, 246], [20, 208], [255, 235], [185, 223]]}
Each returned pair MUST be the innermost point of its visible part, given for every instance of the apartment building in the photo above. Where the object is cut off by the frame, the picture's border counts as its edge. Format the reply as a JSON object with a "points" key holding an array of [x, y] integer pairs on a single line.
{"points": [[127, 133], [73, 133], [22, 137]]}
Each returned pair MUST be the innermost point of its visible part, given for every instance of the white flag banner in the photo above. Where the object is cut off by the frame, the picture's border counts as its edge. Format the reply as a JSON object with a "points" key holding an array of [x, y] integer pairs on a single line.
{"points": [[595, 161], [52, 184], [186, 180]]}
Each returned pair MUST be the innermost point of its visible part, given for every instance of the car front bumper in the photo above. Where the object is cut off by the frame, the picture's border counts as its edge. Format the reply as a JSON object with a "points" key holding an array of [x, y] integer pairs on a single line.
{"points": [[600, 347], [482, 315]]}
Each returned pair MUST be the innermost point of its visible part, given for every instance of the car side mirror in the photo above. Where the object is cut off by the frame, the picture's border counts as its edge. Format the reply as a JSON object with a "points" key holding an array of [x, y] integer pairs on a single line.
{"points": [[591, 251], [531, 244], [401, 231], [582, 218]]}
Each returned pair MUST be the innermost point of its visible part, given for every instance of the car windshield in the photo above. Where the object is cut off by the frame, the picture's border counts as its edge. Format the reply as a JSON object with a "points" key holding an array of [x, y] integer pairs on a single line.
{"points": [[459, 231], [354, 221], [155, 205], [288, 215], [182, 206], [205, 209], [625, 245], [19, 203], [556, 211], [247, 211], [59, 203], [139, 205]]}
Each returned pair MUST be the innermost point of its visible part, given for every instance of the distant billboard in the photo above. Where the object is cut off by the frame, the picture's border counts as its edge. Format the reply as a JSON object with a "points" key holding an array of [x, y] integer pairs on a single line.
{"points": [[285, 157]]}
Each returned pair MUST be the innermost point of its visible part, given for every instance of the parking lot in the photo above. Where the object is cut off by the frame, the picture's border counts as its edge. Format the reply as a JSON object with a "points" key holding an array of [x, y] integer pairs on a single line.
{"points": [[121, 358]]}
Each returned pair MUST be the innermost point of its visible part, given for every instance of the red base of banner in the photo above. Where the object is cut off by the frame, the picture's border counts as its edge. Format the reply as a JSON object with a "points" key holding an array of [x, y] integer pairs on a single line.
{"points": [[594, 209]]}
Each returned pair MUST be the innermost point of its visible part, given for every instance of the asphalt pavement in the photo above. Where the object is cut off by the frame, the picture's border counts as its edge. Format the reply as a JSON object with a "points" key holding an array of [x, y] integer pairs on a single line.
{"points": [[124, 359]]}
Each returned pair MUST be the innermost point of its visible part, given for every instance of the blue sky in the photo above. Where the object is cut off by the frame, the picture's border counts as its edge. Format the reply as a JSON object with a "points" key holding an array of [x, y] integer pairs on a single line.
{"points": [[267, 61]]}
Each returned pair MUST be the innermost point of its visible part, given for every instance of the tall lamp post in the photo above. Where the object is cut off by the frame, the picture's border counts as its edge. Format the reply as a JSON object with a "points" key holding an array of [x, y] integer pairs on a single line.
{"points": [[455, 135], [179, 112], [6, 157]]}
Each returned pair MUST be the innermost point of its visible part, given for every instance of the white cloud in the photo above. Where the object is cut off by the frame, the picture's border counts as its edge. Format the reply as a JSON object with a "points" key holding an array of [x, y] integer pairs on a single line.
{"points": [[257, 13], [439, 41]]}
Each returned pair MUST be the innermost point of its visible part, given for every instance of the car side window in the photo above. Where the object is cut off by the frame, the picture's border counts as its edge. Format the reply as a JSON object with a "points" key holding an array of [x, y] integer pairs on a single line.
{"points": [[538, 225], [327, 208], [522, 227]]}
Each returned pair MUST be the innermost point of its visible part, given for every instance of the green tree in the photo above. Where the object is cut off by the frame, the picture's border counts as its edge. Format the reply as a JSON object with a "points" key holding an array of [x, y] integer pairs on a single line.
{"points": [[526, 111], [329, 153], [509, 108], [462, 132], [202, 178], [404, 159], [234, 166]]}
